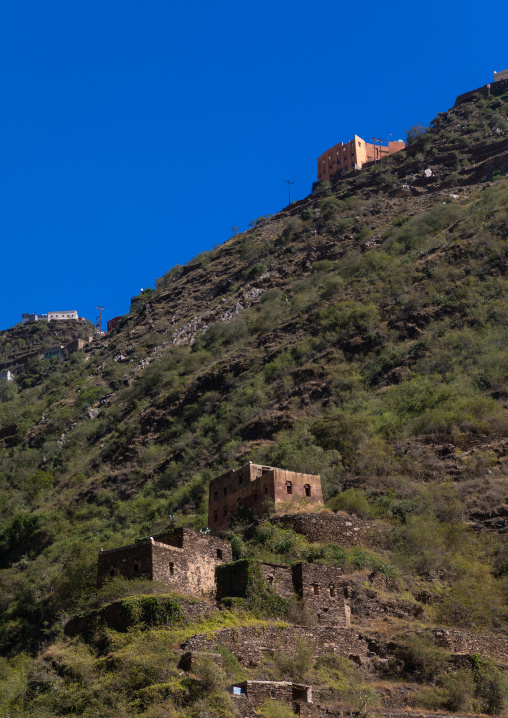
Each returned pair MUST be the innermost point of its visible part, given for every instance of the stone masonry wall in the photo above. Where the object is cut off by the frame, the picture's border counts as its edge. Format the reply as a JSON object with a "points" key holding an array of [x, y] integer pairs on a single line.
{"points": [[346, 531], [258, 691], [280, 577], [251, 644], [493, 646], [189, 568], [322, 589], [134, 561]]}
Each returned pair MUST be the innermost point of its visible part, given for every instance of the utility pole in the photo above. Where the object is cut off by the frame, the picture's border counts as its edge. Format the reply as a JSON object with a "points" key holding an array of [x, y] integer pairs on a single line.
{"points": [[376, 139], [98, 320], [289, 188]]}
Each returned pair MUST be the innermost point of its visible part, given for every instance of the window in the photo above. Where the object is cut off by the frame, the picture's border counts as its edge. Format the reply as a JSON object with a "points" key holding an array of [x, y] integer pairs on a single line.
{"points": [[240, 479], [219, 553], [225, 511], [266, 488], [215, 516], [225, 491], [112, 572], [307, 489], [136, 568], [272, 694], [289, 487], [332, 591], [171, 568], [255, 497], [315, 588], [215, 496]]}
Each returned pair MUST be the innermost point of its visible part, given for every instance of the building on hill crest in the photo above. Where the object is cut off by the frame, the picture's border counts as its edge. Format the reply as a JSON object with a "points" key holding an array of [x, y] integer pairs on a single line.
{"points": [[256, 487], [353, 155]]}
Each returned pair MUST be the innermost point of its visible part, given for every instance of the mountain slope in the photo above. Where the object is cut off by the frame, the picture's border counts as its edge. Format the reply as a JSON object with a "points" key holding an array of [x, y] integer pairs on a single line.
{"points": [[359, 333]]}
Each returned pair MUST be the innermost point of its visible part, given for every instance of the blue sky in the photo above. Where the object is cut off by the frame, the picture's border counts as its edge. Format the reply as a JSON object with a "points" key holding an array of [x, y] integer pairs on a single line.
{"points": [[136, 134]]}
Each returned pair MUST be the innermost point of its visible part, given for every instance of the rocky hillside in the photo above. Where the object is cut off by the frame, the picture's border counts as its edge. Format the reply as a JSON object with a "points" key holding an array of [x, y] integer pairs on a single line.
{"points": [[360, 334]]}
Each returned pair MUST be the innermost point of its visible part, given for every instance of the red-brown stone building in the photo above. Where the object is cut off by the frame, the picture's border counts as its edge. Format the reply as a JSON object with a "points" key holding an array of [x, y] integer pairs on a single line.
{"points": [[182, 559], [353, 155], [257, 487]]}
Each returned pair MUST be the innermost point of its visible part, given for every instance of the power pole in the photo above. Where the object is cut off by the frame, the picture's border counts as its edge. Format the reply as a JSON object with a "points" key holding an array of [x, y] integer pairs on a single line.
{"points": [[98, 320], [289, 188]]}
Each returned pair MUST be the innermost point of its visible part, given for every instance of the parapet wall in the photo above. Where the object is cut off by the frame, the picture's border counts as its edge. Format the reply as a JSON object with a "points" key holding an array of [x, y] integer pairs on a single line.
{"points": [[494, 89]]}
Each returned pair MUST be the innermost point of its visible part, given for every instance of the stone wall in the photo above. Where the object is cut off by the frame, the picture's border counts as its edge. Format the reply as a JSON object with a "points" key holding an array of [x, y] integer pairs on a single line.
{"points": [[251, 644], [344, 530], [495, 88], [280, 577], [134, 561], [190, 566], [322, 590], [493, 646]]}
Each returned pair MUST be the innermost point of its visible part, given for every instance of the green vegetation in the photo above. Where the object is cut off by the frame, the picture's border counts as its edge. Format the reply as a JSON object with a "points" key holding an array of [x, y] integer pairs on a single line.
{"points": [[379, 364]]}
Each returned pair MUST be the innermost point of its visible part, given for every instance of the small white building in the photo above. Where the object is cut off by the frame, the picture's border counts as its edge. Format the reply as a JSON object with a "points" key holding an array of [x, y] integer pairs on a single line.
{"points": [[503, 75], [61, 316], [6, 376]]}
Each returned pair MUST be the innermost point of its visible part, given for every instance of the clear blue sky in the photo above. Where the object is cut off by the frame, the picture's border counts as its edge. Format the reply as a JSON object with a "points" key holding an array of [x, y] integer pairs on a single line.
{"points": [[136, 134]]}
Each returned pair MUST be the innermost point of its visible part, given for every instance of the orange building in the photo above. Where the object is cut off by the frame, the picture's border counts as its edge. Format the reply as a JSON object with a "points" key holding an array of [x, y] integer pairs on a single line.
{"points": [[353, 155]]}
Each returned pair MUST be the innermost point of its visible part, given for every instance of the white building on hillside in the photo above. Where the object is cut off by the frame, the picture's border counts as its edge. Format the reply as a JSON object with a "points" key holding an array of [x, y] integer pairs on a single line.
{"points": [[59, 316], [6, 376]]}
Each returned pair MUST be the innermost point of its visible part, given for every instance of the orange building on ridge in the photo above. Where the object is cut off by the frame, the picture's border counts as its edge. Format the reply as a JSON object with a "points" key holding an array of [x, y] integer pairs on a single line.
{"points": [[353, 155]]}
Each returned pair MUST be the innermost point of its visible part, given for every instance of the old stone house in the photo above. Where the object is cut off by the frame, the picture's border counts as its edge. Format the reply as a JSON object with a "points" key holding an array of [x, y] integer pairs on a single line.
{"points": [[257, 487], [256, 692], [182, 559], [321, 588]]}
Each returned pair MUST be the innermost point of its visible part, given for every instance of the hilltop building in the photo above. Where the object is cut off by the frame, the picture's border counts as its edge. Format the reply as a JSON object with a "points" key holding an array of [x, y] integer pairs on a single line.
{"points": [[256, 487], [503, 75], [6, 376], [353, 155], [26, 317], [62, 315], [113, 323]]}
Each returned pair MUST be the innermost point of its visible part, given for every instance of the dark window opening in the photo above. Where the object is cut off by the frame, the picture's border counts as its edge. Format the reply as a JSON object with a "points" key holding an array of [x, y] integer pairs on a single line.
{"points": [[136, 568], [225, 491], [215, 495], [272, 694], [332, 591], [112, 572], [215, 516], [266, 488], [255, 497], [307, 489], [171, 569], [225, 511], [289, 487], [219, 553], [315, 588], [240, 479]]}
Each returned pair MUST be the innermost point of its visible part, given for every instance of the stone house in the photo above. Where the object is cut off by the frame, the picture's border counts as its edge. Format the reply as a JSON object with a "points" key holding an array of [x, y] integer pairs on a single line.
{"points": [[256, 692], [257, 487], [321, 588], [182, 559]]}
